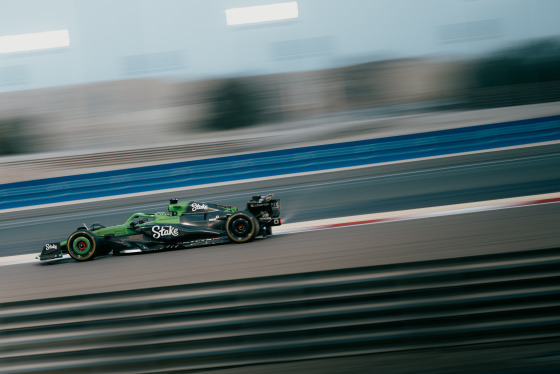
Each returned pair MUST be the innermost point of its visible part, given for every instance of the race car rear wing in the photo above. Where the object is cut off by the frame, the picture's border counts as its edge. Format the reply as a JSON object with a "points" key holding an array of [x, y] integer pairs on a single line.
{"points": [[265, 208]]}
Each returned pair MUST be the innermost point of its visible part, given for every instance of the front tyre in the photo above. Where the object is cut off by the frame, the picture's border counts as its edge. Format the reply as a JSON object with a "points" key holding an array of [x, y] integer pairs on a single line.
{"points": [[83, 245], [242, 227]]}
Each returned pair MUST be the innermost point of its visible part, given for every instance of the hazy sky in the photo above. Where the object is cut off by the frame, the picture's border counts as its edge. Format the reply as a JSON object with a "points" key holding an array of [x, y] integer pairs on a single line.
{"points": [[189, 39]]}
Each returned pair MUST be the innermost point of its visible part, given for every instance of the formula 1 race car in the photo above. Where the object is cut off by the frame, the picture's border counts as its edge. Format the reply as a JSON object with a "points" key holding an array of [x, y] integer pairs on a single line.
{"points": [[184, 225]]}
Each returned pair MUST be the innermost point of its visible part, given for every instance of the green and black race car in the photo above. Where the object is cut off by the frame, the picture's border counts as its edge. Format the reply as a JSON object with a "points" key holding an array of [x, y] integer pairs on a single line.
{"points": [[184, 225]]}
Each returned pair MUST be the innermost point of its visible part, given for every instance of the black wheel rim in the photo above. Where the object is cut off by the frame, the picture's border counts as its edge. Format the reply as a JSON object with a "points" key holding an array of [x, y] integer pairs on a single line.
{"points": [[241, 227]]}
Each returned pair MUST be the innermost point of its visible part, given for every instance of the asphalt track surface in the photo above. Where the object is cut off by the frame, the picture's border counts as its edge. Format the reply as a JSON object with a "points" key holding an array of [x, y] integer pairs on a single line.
{"points": [[408, 185], [444, 181], [496, 231]]}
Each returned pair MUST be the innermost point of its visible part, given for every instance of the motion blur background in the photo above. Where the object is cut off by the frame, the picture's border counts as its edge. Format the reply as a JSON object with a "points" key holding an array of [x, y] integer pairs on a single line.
{"points": [[136, 73], [96, 85]]}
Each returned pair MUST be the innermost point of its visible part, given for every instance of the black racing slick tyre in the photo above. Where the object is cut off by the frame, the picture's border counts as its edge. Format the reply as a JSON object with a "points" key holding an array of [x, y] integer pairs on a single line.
{"points": [[242, 227], [83, 245]]}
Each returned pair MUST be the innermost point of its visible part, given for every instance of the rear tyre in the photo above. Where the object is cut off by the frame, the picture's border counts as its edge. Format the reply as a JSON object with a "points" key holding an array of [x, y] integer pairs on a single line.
{"points": [[242, 227], [83, 245]]}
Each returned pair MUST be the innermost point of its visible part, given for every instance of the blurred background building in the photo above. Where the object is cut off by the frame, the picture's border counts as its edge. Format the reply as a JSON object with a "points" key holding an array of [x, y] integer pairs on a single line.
{"points": [[160, 71]]}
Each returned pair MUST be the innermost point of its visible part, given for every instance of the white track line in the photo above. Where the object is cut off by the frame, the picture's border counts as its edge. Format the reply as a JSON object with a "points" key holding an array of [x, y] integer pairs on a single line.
{"points": [[368, 219], [438, 211]]}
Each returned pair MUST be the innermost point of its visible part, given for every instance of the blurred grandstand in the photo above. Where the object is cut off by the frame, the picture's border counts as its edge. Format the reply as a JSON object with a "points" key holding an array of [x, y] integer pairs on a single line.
{"points": [[147, 112]]}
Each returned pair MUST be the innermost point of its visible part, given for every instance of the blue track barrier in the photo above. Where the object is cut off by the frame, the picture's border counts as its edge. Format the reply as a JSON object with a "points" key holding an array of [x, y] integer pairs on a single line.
{"points": [[280, 162]]}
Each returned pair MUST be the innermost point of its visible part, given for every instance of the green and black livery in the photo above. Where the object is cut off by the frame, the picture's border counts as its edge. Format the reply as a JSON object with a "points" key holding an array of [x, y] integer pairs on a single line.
{"points": [[184, 225]]}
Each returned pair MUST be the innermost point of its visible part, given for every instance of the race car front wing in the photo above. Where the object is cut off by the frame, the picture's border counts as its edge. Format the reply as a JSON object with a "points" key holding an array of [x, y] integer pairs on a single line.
{"points": [[50, 251]]}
